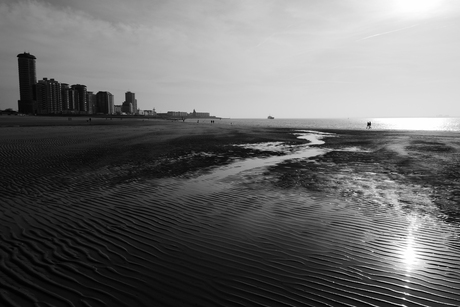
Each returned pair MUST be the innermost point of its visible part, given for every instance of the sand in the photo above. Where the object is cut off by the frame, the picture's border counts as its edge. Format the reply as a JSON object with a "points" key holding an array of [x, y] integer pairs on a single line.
{"points": [[157, 213]]}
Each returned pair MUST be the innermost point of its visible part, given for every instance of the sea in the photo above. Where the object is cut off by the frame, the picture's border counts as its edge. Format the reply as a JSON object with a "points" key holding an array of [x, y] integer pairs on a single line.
{"points": [[450, 124]]}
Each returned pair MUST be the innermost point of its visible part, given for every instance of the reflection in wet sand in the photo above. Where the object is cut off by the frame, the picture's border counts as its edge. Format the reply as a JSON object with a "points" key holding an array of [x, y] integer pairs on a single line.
{"points": [[292, 152], [231, 237], [372, 254], [409, 255]]}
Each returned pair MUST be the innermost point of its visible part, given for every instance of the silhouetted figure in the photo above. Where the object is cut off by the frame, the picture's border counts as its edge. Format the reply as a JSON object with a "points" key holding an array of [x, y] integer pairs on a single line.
{"points": [[369, 125]]}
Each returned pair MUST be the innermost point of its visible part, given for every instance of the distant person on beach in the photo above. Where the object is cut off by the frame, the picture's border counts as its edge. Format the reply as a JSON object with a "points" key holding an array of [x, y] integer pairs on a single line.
{"points": [[369, 125]]}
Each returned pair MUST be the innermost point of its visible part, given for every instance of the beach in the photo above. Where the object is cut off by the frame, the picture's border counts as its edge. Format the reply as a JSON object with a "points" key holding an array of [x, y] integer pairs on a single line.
{"points": [[144, 212]]}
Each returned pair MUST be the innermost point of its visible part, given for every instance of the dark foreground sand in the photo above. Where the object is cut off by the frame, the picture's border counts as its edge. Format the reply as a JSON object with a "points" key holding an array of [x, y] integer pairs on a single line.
{"points": [[155, 213]]}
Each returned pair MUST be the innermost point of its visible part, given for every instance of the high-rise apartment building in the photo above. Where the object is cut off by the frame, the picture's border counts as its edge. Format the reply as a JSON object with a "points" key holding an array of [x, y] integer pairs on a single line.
{"points": [[130, 97], [73, 100], [65, 96], [27, 80], [91, 101], [105, 103], [82, 105], [70, 99], [48, 94]]}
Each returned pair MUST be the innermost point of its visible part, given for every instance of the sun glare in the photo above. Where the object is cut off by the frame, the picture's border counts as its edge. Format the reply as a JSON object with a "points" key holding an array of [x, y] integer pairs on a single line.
{"points": [[409, 255], [413, 123], [416, 8]]}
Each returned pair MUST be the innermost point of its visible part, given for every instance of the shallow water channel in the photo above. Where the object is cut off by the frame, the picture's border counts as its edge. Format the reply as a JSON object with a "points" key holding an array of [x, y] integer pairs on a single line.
{"points": [[293, 152]]}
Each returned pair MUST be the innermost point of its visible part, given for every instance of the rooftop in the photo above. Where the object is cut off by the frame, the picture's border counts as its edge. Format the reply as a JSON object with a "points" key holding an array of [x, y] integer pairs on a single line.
{"points": [[26, 55]]}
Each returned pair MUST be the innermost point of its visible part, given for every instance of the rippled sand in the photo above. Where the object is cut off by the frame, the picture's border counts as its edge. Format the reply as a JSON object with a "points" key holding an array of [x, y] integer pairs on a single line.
{"points": [[172, 214]]}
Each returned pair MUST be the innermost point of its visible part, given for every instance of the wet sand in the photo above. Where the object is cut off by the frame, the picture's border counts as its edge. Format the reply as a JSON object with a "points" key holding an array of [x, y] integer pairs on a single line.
{"points": [[157, 213]]}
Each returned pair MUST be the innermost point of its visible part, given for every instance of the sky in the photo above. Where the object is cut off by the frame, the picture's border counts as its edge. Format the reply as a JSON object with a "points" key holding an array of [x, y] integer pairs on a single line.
{"points": [[245, 58]]}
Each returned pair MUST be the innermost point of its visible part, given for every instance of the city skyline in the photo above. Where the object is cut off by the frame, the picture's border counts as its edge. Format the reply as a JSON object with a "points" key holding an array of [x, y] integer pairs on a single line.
{"points": [[49, 96], [290, 59]]}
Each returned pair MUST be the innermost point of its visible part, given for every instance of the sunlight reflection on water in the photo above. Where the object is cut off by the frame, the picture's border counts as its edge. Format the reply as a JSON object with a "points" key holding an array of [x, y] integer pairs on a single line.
{"points": [[432, 124], [409, 256]]}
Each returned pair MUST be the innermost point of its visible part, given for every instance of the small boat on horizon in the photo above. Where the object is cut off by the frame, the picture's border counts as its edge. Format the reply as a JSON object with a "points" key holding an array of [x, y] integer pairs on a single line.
{"points": [[270, 117]]}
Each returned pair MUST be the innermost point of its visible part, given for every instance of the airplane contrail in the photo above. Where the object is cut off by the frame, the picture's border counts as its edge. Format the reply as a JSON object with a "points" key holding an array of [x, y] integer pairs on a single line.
{"points": [[273, 34], [384, 33], [266, 39]]}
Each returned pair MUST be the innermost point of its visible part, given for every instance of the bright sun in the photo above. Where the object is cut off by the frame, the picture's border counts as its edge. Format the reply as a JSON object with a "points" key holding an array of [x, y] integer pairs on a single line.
{"points": [[416, 8]]}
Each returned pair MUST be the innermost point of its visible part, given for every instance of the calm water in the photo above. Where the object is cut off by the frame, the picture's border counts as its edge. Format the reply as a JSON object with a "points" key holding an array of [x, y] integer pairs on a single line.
{"points": [[430, 124]]}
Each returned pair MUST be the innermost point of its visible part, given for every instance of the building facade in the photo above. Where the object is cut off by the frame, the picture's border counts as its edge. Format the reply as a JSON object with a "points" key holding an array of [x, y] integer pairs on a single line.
{"points": [[73, 101], [48, 95], [104, 103], [130, 97], [91, 102], [127, 107], [27, 80], [70, 99], [65, 97], [200, 114], [82, 105], [117, 109], [177, 114]]}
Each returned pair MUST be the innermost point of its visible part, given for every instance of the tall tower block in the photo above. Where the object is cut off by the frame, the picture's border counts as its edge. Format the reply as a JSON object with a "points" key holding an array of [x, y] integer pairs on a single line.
{"points": [[131, 98], [27, 80]]}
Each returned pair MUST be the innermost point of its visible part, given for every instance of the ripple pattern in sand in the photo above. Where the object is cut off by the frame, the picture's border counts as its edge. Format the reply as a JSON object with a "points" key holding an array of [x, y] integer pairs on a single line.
{"points": [[85, 241]]}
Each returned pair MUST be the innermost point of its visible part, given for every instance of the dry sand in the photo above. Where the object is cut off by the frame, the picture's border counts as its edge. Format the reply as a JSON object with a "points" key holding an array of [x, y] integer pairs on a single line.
{"points": [[156, 213]]}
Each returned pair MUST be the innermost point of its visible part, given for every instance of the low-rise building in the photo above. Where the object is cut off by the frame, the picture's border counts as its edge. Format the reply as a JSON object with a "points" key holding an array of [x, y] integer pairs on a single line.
{"points": [[177, 114], [127, 107], [117, 109], [199, 114]]}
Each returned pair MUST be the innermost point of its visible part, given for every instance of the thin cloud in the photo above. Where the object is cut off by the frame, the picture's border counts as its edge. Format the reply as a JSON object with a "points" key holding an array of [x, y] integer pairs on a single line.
{"points": [[266, 39], [388, 32], [272, 35]]}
